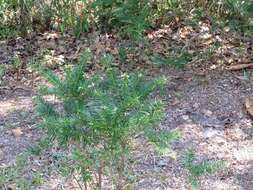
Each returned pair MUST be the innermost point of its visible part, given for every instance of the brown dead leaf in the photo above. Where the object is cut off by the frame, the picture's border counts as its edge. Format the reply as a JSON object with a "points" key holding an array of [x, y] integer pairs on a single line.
{"points": [[61, 48], [174, 102], [249, 106], [240, 66], [114, 51], [209, 41], [99, 48], [185, 31], [17, 132]]}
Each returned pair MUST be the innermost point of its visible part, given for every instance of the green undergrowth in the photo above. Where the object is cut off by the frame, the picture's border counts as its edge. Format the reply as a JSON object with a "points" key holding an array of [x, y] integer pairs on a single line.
{"points": [[100, 115], [199, 169]]}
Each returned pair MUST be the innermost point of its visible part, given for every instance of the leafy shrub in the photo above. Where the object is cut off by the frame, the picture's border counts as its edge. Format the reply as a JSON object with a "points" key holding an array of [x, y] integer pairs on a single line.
{"points": [[129, 17], [2, 70], [99, 115], [27, 15], [162, 140]]}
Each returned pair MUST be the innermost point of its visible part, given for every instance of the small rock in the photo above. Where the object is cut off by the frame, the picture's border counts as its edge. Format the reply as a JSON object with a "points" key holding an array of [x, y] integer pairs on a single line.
{"points": [[210, 133], [195, 105], [17, 132], [237, 134], [162, 163], [185, 117], [208, 112], [206, 121], [219, 140]]}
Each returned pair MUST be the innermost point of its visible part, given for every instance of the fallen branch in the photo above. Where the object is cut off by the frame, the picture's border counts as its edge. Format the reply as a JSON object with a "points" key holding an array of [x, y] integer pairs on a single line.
{"points": [[240, 67]]}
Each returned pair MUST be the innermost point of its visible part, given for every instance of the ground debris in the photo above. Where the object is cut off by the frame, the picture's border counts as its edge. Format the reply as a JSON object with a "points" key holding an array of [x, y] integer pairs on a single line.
{"points": [[249, 106], [240, 67]]}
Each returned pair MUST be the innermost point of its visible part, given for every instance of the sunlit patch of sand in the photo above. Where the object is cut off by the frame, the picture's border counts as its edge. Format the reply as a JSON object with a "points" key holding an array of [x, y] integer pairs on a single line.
{"points": [[222, 185], [10, 105]]}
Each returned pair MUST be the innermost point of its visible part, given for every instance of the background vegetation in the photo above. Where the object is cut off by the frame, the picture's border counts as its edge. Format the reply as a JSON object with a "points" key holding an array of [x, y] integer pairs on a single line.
{"points": [[131, 18]]}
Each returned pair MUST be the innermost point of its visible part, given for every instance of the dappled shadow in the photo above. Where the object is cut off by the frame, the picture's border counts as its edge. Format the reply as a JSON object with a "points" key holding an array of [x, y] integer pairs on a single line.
{"points": [[18, 132], [245, 178], [17, 124], [16, 99]]}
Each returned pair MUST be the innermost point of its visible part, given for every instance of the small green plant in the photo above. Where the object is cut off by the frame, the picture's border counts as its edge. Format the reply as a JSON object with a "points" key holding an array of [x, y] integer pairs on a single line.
{"points": [[37, 149], [197, 170], [7, 31], [2, 72], [16, 66], [7, 174], [13, 176], [162, 141], [99, 116], [246, 75], [122, 55], [178, 61]]}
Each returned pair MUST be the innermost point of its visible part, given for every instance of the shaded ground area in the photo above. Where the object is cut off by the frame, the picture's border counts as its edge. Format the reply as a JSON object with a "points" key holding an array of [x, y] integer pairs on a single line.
{"points": [[211, 115], [16, 124]]}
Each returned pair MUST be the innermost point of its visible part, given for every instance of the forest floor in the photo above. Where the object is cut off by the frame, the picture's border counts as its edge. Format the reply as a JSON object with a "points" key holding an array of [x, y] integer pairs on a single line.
{"points": [[204, 101]]}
